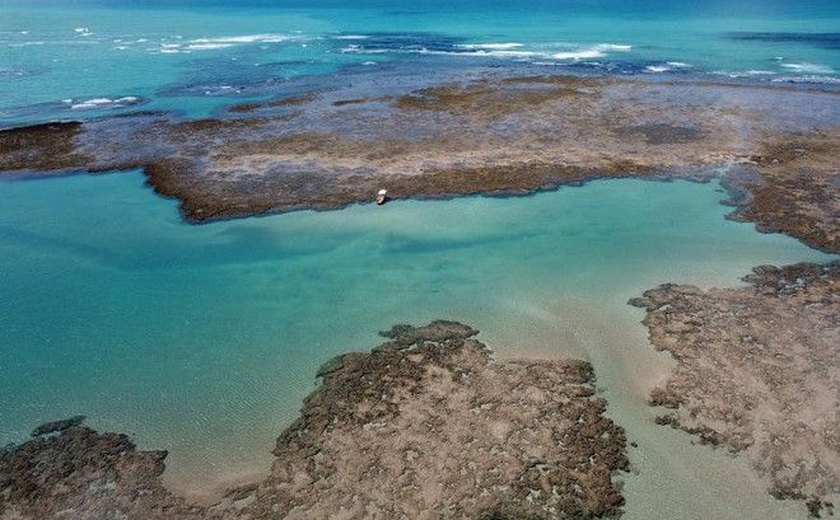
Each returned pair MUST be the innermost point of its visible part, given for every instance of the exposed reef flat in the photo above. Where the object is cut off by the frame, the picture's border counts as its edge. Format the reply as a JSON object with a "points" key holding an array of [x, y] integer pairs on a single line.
{"points": [[795, 189], [758, 371], [484, 134], [427, 425]]}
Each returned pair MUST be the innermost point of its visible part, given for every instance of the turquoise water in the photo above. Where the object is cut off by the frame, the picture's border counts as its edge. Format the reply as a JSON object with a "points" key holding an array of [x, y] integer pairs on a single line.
{"points": [[203, 339], [95, 58]]}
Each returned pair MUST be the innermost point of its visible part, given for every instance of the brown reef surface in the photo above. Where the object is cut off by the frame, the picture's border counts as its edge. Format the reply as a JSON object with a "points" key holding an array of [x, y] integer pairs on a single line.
{"points": [[758, 371], [796, 189], [490, 134], [427, 425], [69, 471]]}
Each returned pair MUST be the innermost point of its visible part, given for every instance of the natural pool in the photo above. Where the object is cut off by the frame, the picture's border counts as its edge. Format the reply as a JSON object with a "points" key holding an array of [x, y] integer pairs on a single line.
{"points": [[204, 339]]}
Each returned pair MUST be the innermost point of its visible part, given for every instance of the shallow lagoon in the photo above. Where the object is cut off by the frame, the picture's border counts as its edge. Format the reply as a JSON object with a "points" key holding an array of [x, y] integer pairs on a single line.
{"points": [[204, 339]]}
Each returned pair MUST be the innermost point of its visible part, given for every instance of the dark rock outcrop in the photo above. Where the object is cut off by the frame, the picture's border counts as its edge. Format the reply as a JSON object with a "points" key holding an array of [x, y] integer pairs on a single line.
{"points": [[84, 475], [58, 426]]}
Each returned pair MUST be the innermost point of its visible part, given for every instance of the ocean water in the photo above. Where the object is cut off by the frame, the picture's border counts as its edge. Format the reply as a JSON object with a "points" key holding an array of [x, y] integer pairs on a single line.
{"points": [[204, 339], [84, 59]]}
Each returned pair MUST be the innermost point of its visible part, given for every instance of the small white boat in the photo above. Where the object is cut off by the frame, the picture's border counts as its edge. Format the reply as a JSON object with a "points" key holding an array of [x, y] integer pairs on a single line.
{"points": [[381, 197]]}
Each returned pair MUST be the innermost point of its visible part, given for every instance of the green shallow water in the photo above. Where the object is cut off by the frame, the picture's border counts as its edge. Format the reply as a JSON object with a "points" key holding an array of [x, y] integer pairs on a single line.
{"points": [[204, 339]]}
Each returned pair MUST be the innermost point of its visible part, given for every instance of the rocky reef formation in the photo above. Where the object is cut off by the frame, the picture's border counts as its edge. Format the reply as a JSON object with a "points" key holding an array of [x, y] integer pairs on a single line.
{"points": [[758, 372], [69, 471], [427, 425], [494, 133], [797, 189]]}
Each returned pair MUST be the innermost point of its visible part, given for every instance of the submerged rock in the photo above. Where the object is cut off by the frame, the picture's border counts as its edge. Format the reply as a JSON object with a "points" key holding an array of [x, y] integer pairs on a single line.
{"points": [[438, 330], [58, 426]]}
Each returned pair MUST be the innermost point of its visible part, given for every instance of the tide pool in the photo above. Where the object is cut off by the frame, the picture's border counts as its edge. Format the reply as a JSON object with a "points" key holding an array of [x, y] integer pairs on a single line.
{"points": [[204, 339]]}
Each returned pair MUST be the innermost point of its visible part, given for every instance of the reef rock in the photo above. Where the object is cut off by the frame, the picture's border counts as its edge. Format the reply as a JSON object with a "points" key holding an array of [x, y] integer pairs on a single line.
{"points": [[427, 425], [758, 372], [80, 474]]}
